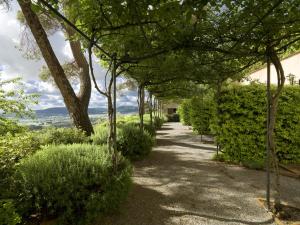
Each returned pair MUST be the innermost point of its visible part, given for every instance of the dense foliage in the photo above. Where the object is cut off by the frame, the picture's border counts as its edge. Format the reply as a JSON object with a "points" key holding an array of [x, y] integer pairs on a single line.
{"points": [[197, 112], [8, 214], [243, 124], [184, 112], [62, 136], [158, 122], [13, 148], [133, 143], [74, 182]]}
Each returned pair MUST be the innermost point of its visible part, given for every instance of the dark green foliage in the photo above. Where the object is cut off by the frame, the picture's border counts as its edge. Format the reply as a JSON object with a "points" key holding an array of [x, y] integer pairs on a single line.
{"points": [[184, 112], [197, 112], [133, 143], [158, 122], [8, 214], [288, 125], [200, 114], [62, 136], [173, 117], [243, 124], [150, 129], [75, 183]]}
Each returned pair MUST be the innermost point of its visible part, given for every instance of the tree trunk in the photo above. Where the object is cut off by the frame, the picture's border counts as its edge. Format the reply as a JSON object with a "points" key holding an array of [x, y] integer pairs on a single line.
{"points": [[218, 102], [141, 97], [114, 76], [273, 113], [110, 112], [84, 94], [76, 110], [268, 182], [151, 109]]}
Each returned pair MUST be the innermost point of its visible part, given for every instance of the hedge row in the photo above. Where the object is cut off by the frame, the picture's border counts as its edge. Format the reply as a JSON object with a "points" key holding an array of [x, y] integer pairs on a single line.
{"points": [[196, 112], [242, 134], [240, 127]]}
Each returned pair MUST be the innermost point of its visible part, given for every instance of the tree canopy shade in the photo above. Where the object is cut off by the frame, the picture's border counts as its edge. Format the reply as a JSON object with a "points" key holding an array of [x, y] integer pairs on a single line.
{"points": [[170, 47]]}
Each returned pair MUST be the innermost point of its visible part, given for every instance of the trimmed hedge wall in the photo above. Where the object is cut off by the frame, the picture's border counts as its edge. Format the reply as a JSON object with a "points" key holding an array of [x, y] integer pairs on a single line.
{"points": [[242, 134], [240, 129], [196, 112], [184, 112]]}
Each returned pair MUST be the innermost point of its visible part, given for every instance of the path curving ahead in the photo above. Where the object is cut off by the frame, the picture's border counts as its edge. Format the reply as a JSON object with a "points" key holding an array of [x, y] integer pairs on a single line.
{"points": [[179, 184]]}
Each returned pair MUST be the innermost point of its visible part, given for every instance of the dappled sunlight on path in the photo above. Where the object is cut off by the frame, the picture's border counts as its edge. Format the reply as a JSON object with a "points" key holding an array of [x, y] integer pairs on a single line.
{"points": [[179, 184]]}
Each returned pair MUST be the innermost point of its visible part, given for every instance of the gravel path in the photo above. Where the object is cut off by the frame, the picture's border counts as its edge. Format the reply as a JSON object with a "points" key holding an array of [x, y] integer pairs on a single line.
{"points": [[179, 184]]}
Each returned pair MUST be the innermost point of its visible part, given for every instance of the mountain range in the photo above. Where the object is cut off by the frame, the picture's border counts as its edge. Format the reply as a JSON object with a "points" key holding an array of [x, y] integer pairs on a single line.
{"points": [[62, 111]]}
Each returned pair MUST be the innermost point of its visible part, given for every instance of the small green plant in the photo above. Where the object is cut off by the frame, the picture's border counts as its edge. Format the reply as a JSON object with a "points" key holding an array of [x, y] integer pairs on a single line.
{"points": [[62, 136], [8, 214], [75, 183]]}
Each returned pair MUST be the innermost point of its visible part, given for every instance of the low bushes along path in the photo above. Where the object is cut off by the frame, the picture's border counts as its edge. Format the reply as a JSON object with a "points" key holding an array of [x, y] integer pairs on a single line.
{"points": [[180, 184]]}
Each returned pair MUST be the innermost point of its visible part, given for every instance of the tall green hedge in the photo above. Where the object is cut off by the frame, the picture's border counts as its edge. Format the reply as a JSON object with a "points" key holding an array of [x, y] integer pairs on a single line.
{"points": [[243, 123], [184, 112], [200, 113], [197, 112]]}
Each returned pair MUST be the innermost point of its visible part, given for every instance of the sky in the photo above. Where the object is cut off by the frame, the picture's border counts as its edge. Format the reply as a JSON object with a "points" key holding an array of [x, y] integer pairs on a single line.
{"points": [[14, 64]]}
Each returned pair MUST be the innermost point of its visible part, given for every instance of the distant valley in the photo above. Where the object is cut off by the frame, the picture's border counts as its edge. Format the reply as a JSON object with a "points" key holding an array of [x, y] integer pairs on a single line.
{"points": [[62, 111]]}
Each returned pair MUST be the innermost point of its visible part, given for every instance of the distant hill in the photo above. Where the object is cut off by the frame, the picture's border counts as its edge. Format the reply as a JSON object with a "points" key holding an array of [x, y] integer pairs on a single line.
{"points": [[62, 111]]}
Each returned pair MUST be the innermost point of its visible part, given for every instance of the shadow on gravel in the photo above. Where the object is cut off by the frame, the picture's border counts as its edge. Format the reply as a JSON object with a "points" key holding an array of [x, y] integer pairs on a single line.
{"points": [[181, 187], [147, 207], [167, 142], [165, 128]]}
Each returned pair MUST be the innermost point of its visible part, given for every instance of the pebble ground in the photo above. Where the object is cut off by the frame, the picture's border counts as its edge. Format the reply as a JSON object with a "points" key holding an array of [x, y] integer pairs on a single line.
{"points": [[179, 184]]}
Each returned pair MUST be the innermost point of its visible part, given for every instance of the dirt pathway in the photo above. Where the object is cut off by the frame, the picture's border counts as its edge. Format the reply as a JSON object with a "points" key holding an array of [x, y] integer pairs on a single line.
{"points": [[179, 184]]}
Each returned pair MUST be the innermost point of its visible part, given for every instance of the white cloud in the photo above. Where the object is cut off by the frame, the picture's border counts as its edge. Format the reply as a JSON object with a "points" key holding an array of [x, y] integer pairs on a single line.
{"points": [[13, 64]]}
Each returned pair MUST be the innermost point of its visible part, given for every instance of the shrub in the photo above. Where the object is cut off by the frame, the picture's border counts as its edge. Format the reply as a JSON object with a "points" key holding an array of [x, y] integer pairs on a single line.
{"points": [[173, 117], [150, 129], [13, 148], [75, 183], [8, 215], [184, 112], [62, 136], [242, 133], [158, 122], [101, 134], [133, 143], [10, 126]]}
